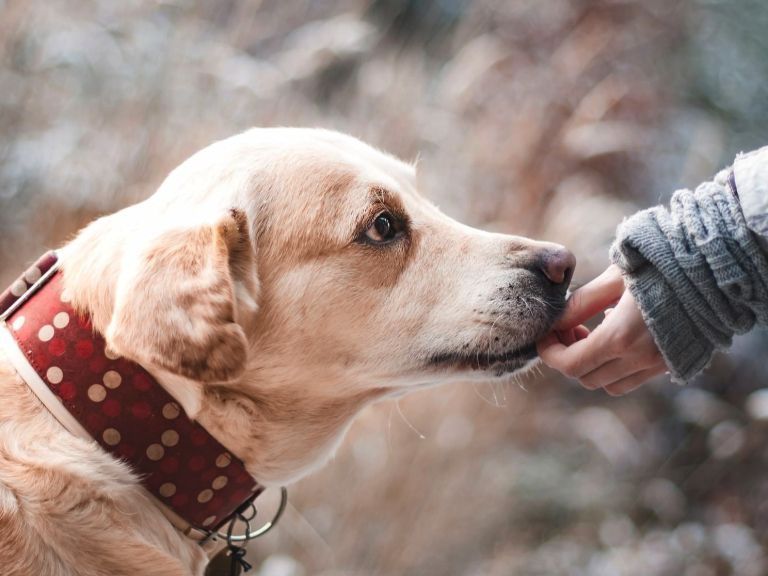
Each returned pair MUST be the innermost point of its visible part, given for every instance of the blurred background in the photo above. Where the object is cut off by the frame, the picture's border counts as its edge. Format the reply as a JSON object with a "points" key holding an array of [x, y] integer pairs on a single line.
{"points": [[548, 118]]}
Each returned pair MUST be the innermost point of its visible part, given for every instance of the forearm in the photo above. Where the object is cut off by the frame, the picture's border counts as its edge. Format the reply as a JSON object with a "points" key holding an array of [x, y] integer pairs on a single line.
{"points": [[697, 272]]}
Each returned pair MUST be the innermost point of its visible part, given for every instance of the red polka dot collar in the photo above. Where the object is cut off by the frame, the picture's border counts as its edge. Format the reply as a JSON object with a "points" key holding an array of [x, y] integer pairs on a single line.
{"points": [[118, 404]]}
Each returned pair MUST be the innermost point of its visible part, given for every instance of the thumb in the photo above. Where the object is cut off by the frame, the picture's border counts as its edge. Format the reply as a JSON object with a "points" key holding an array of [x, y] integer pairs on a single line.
{"points": [[550, 340], [593, 297]]}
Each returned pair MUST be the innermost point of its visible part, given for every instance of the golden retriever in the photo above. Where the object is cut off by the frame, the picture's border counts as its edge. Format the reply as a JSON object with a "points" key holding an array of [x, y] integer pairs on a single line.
{"points": [[275, 284]]}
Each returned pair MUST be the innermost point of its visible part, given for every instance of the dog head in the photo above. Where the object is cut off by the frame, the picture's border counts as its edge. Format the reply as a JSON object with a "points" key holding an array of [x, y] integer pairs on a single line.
{"points": [[280, 280]]}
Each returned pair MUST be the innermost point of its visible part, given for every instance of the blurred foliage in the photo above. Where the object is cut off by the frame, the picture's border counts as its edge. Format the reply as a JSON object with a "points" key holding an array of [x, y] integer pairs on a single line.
{"points": [[549, 118]]}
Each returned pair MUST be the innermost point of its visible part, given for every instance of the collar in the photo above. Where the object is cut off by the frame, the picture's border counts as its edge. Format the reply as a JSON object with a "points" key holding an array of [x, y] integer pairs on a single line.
{"points": [[118, 404]]}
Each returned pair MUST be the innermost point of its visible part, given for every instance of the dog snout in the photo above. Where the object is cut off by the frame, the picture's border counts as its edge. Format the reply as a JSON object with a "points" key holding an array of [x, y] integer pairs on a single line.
{"points": [[557, 264]]}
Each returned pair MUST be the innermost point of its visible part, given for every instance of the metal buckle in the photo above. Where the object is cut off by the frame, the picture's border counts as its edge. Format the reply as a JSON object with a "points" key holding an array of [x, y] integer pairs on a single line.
{"points": [[5, 314], [241, 517]]}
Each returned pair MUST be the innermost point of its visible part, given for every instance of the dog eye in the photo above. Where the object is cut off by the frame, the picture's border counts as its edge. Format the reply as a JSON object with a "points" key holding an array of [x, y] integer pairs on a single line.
{"points": [[383, 229]]}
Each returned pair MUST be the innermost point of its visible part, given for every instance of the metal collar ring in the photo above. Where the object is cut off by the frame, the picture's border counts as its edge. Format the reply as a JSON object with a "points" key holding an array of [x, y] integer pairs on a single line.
{"points": [[231, 538]]}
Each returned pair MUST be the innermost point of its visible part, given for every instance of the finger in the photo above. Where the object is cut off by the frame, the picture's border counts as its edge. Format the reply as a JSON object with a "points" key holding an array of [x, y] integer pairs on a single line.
{"points": [[632, 382], [600, 293], [547, 342], [566, 337], [572, 335], [579, 358], [581, 332], [608, 373]]}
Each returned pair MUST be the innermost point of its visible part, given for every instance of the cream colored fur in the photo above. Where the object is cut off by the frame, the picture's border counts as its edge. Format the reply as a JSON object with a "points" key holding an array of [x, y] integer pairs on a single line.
{"points": [[246, 287]]}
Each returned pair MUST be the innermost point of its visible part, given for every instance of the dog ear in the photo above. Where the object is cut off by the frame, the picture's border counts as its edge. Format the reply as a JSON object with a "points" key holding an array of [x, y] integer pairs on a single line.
{"points": [[182, 304]]}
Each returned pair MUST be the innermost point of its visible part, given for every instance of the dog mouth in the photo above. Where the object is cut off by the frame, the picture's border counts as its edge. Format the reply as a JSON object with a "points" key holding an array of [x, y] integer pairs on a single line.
{"points": [[497, 362], [475, 357]]}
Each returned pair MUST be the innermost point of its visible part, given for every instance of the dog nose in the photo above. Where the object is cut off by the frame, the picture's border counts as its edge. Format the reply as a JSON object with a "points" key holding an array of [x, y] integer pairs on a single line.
{"points": [[557, 264]]}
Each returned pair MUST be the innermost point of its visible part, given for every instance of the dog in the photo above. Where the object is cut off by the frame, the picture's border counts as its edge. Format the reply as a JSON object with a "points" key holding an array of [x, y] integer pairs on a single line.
{"points": [[277, 282]]}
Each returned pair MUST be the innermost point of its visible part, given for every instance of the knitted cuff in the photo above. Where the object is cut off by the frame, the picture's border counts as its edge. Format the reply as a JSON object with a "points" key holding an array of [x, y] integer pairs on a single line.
{"points": [[685, 350], [696, 272]]}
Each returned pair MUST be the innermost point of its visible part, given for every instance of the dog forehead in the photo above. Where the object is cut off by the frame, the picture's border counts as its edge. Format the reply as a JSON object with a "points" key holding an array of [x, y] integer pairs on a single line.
{"points": [[326, 155], [332, 144], [311, 167]]}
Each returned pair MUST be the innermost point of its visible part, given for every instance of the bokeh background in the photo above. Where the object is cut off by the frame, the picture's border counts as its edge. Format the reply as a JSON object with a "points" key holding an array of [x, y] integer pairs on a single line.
{"points": [[551, 118]]}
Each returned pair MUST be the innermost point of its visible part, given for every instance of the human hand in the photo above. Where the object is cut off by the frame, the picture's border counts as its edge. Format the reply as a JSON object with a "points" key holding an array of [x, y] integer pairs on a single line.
{"points": [[619, 355]]}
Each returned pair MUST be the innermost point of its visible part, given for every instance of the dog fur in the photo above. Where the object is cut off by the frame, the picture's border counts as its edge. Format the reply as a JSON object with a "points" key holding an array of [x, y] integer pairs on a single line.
{"points": [[255, 289]]}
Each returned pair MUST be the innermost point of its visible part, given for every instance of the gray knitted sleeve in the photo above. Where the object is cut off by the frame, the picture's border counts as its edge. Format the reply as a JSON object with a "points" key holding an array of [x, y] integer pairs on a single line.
{"points": [[696, 272]]}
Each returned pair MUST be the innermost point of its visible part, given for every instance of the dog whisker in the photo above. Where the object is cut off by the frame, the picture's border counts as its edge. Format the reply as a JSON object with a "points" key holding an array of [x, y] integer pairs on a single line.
{"points": [[480, 395], [408, 423]]}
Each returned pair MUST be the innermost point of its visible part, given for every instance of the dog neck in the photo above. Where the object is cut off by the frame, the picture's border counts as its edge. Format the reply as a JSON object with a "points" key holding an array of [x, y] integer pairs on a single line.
{"points": [[284, 432]]}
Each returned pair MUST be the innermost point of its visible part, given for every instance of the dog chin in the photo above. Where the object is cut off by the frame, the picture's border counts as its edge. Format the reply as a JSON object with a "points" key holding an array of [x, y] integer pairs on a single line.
{"points": [[496, 363]]}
